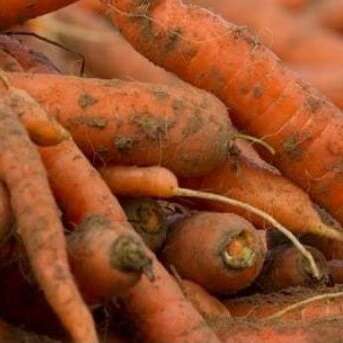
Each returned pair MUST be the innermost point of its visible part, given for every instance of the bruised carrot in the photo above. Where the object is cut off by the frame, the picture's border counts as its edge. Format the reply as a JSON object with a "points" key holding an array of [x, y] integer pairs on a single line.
{"points": [[39, 226], [295, 40], [264, 306], [207, 305], [27, 59], [180, 128], [267, 99], [17, 11], [328, 80], [221, 252], [285, 267], [336, 271], [147, 217]]}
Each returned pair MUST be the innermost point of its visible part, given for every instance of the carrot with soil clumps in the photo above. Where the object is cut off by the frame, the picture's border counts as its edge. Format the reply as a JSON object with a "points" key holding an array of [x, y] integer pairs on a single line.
{"points": [[267, 99], [219, 251], [181, 128], [17, 11], [285, 267], [148, 219], [39, 226], [178, 321]]}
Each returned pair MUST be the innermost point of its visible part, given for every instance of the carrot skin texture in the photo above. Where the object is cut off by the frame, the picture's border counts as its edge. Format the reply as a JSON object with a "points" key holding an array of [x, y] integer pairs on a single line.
{"points": [[40, 227], [179, 128], [17, 11], [197, 247], [253, 83]]}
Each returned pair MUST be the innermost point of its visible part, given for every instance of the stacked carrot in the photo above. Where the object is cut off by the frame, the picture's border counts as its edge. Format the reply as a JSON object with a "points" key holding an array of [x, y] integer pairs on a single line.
{"points": [[134, 211]]}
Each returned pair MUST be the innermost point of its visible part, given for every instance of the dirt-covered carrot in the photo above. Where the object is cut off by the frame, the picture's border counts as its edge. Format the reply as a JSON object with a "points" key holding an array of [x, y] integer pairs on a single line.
{"points": [[220, 251], [267, 99], [88, 33], [290, 37], [147, 217], [17, 11], [134, 123], [285, 267], [39, 225], [264, 306], [328, 80], [28, 59], [207, 305], [336, 271]]}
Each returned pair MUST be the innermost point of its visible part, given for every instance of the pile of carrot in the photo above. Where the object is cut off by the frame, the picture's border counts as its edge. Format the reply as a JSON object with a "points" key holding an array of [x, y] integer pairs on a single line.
{"points": [[184, 184]]}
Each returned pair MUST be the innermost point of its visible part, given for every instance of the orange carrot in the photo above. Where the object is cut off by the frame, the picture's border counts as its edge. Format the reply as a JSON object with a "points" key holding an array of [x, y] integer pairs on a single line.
{"points": [[263, 306], [17, 11], [147, 217], [178, 127], [336, 271], [221, 252], [39, 226], [267, 99], [285, 267], [293, 39]]}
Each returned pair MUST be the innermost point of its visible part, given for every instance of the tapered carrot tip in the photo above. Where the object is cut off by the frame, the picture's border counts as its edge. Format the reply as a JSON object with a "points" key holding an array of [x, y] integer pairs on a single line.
{"points": [[238, 253], [147, 218], [128, 254]]}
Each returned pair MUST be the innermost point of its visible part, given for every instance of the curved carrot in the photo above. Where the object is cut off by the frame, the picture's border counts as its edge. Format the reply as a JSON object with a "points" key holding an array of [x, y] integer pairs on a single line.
{"points": [[39, 226], [221, 252], [285, 267], [177, 127], [267, 99], [17, 11]]}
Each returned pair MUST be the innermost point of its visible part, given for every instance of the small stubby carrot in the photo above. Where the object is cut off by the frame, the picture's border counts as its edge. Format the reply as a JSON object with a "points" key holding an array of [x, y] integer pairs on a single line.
{"points": [[133, 123], [264, 306], [285, 267], [23, 57], [220, 251], [336, 271], [17, 11], [148, 218], [328, 80], [267, 100], [39, 226], [290, 37], [206, 304]]}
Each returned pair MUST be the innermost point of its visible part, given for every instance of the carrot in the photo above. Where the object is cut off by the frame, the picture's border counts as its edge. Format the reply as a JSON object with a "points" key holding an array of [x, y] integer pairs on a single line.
{"points": [[147, 217], [105, 263], [207, 305], [295, 40], [88, 33], [267, 99], [220, 252], [327, 80], [336, 271], [167, 123], [285, 267], [39, 225], [150, 302], [17, 11], [28, 59], [294, 5], [264, 306]]}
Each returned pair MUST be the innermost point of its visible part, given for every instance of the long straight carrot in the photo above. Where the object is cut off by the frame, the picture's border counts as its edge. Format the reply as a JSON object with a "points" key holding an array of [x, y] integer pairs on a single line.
{"points": [[267, 99], [39, 226], [17, 11]]}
